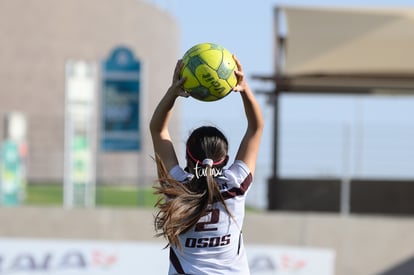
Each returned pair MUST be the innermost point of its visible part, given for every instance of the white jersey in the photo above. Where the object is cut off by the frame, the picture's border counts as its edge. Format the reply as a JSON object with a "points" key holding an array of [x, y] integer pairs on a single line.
{"points": [[215, 244]]}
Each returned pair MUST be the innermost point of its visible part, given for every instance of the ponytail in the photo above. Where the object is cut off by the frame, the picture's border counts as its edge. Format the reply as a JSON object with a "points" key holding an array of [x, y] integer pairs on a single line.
{"points": [[178, 206], [181, 205]]}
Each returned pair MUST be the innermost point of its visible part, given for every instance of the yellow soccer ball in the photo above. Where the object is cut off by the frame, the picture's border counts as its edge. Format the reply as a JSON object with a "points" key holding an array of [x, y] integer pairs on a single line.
{"points": [[209, 69]]}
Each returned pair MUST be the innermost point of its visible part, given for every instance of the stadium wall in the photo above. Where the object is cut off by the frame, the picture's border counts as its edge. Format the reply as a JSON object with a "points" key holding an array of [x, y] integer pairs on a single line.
{"points": [[362, 244]]}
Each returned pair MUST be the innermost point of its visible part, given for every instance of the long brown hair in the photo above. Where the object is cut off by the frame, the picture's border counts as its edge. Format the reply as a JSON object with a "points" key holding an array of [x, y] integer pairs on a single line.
{"points": [[183, 204]]}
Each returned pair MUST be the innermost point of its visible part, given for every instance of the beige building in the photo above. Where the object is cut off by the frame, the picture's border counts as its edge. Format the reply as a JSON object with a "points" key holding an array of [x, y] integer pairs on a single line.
{"points": [[37, 40]]}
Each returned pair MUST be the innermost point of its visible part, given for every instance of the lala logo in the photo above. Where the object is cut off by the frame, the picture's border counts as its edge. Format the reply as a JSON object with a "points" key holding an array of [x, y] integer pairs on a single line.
{"points": [[101, 259], [43, 263]]}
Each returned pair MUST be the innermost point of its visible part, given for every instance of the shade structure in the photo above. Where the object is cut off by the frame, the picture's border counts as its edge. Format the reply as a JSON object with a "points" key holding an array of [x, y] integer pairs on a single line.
{"points": [[349, 41], [339, 51]]}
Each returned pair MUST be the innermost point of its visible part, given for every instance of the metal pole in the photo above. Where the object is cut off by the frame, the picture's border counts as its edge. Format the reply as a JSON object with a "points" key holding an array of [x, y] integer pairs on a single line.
{"points": [[67, 179], [345, 196], [275, 96]]}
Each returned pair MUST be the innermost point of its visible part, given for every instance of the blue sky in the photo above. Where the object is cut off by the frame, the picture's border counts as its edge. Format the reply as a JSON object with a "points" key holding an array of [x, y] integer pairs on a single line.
{"points": [[351, 124]]}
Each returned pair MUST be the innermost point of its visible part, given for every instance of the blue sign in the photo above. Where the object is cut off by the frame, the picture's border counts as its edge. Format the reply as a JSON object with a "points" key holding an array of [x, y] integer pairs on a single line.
{"points": [[120, 102]]}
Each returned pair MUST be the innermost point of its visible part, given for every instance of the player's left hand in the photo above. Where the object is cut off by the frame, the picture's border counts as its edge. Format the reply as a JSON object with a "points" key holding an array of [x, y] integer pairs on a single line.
{"points": [[241, 81], [176, 88]]}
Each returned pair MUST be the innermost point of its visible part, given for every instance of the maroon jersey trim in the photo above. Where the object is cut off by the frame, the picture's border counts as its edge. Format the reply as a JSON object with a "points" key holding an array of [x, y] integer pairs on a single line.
{"points": [[175, 262], [234, 192]]}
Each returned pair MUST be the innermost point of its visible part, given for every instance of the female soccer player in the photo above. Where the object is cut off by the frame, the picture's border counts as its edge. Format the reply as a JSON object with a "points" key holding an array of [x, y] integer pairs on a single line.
{"points": [[201, 211]]}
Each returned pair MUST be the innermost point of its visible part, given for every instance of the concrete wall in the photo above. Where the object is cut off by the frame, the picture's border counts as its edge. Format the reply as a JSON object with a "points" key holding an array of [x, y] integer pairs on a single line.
{"points": [[363, 244]]}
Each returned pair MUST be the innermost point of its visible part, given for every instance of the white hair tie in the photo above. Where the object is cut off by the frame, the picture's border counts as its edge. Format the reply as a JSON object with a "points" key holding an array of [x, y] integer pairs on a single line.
{"points": [[208, 162]]}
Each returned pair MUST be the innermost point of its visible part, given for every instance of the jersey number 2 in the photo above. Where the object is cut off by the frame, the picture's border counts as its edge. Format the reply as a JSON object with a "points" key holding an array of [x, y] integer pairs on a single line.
{"points": [[214, 218]]}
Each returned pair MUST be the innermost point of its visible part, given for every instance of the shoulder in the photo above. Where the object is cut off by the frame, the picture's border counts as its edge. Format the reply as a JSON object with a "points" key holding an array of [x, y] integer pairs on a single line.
{"points": [[179, 174], [238, 170], [237, 176], [236, 180]]}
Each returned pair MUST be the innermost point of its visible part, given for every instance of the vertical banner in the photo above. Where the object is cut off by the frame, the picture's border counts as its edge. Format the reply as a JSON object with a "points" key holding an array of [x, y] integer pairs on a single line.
{"points": [[80, 134], [11, 183], [120, 129], [13, 154]]}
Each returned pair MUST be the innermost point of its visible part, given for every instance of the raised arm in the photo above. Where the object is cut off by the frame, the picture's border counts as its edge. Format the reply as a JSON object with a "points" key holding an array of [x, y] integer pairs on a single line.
{"points": [[249, 146], [160, 134]]}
